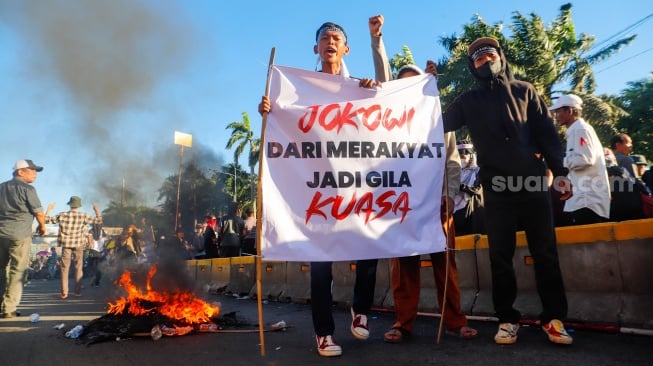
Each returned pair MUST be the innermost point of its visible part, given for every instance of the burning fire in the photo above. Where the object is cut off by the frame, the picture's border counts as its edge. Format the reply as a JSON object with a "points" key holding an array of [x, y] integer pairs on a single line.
{"points": [[182, 306]]}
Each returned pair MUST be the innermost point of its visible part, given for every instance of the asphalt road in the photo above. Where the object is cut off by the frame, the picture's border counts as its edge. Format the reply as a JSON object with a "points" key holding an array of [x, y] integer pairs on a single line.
{"points": [[25, 343]]}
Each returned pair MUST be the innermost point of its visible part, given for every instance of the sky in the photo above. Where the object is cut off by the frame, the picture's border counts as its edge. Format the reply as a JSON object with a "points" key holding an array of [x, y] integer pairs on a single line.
{"points": [[94, 90]]}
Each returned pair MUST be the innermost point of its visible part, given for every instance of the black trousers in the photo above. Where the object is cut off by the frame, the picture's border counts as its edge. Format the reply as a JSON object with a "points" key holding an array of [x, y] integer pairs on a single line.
{"points": [[364, 285], [322, 297], [584, 216], [504, 213]]}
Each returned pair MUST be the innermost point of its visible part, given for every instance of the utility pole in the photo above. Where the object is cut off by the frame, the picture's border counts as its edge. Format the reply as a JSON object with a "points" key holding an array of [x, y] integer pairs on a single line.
{"points": [[181, 139]]}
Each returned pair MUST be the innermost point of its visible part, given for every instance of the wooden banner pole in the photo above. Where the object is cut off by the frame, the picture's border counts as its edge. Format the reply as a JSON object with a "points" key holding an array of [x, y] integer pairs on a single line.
{"points": [[259, 200], [447, 235]]}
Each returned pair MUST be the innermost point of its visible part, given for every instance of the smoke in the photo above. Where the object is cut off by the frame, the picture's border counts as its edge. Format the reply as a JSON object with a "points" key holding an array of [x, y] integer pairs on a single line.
{"points": [[107, 54], [109, 60]]}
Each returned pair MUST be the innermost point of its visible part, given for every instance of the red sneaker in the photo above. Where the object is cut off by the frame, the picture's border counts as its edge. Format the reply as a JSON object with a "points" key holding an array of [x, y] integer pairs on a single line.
{"points": [[556, 332], [327, 346], [359, 326]]}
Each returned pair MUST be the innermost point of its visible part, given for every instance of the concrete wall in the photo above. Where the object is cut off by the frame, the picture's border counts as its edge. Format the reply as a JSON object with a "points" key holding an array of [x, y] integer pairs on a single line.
{"points": [[606, 268]]}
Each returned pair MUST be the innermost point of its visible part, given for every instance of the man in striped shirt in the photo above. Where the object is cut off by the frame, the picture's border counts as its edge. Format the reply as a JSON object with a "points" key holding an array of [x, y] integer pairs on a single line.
{"points": [[73, 238]]}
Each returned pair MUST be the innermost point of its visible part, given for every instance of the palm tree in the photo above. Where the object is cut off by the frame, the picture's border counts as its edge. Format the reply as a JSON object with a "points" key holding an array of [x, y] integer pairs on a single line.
{"points": [[399, 60], [553, 55], [198, 197], [232, 186], [547, 56], [117, 214], [637, 100], [242, 137]]}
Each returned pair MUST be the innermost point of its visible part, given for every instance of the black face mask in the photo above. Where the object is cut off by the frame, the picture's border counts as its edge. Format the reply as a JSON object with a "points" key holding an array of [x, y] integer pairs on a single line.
{"points": [[490, 69]]}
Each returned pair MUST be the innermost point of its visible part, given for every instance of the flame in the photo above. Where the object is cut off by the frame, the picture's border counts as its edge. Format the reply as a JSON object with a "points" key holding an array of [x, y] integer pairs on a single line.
{"points": [[181, 306]]}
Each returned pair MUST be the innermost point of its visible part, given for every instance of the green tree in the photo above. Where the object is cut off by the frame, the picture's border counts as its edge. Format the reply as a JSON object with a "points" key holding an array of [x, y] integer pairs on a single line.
{"points": [[545, 55], [638, 123], [117, 214], [242, 138], [549, 56], [234, 181], [552, 55], [401, 59], [197, 198]]}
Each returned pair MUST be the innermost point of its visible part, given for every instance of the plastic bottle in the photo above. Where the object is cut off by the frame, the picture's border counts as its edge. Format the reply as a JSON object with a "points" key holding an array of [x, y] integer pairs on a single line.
{"points": [[279, 325], [156, 333], [34, 318], [75, 332]]}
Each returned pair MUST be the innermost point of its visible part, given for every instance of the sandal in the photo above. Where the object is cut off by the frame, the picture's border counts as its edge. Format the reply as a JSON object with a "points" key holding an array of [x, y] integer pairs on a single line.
{"points": [[464, 332], [395, 335]]}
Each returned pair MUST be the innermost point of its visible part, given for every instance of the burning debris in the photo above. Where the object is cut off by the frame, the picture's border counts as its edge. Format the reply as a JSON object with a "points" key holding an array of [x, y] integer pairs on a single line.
{"points": [[155, 314], [181, 306]]}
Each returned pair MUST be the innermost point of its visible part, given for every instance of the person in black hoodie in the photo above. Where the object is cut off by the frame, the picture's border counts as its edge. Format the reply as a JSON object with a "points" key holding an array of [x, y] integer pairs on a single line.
{"points": [[511, 127]]}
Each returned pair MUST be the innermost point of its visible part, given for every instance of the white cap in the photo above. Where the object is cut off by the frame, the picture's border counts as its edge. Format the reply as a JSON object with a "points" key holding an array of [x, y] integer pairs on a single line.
{"points": [[22, 164], [567, 100], [409, 67]]}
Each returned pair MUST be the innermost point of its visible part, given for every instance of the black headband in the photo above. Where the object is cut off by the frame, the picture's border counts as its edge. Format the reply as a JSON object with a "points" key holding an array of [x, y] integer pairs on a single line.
{"points": [[484, 50], [330, 27]]}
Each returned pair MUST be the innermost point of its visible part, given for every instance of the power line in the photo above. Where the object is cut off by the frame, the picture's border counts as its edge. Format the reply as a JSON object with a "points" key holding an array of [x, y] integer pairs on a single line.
{"points": [[625, 30], [622, 61], [629, 28]]}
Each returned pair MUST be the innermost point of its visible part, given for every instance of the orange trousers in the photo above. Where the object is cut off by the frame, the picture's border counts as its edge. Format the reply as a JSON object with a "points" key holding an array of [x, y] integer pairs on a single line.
{"points": [[406, 285]]}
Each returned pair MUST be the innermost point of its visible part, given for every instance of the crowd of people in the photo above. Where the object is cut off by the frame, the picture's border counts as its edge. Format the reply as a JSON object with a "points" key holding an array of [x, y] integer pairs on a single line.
{"points": [[85, 250], [513, 135], [607, 191], [225, 236]]}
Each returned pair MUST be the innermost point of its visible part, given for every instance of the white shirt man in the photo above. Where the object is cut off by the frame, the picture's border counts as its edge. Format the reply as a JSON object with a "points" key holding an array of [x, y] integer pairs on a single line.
{"points": [[585, 160]]}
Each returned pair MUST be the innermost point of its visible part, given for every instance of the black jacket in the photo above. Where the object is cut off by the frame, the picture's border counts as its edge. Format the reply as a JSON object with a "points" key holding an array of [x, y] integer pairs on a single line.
{"points": [[509, 123]]}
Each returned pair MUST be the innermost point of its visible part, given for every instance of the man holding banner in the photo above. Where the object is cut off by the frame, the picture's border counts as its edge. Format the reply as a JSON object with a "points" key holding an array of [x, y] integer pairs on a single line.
{"points": [[405, 271], [348, 171], [510, 126]]}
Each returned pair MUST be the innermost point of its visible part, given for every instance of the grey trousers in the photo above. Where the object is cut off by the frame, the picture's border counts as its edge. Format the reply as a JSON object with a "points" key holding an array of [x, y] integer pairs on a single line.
{"points": [[76, 255], [14, 260]]}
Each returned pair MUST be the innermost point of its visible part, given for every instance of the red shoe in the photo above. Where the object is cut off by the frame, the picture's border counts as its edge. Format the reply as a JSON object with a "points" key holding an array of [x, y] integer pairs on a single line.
{"points": [[556, 332], [327, 346], [359, 326]]}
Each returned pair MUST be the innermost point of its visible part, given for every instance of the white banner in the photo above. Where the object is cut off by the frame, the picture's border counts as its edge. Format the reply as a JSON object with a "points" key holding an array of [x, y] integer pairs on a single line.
{"points": [[350, 172]]}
